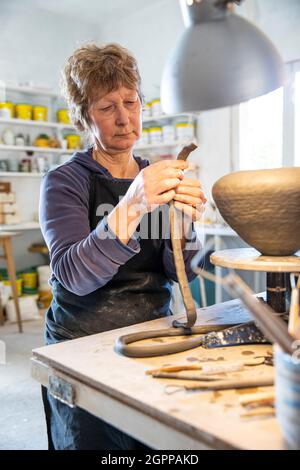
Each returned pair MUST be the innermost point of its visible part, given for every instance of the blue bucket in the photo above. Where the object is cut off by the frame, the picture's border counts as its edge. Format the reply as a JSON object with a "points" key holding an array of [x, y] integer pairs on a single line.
{"points": [[287, 386]]}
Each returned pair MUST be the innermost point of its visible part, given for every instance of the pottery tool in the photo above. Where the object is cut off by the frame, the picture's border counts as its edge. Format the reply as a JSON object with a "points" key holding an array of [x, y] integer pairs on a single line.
{"points": [[246, 333], [294, 321], [258, 399], [208, 367], [229, 384], [179, 376], [259, 412]]}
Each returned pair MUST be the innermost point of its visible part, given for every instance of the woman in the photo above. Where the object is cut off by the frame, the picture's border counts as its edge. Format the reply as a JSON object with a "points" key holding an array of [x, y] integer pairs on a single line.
{"points": [[92, 208]]}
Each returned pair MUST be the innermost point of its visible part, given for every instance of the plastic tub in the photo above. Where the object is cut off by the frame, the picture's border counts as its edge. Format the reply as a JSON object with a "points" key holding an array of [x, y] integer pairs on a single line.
{"points": [[29, 277], [23, 111], [28, 309], [287, 385], [40, 113], [19, 281], [63, 116], [73, 142], [7, 106], [44, 274]]}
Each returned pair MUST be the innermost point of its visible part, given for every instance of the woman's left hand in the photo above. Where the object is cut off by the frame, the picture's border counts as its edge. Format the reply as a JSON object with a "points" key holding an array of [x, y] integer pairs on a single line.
{"points": [[190, 199]]}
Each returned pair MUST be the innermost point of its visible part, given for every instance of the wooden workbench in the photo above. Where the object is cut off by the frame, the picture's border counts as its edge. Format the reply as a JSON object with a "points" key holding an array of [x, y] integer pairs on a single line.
{"points": [[116, 389]]}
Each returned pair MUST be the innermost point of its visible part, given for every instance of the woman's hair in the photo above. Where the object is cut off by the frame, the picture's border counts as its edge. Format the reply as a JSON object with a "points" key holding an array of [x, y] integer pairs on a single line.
{"points": [[93, 71]]}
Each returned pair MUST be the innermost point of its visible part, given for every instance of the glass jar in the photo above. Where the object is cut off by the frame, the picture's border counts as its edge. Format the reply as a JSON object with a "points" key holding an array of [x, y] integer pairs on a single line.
{"points": [[147, 110], [185, 131], [155, 134], [20, 140], [169, 133], [156, 107], [25, 165], [145, 138], [8, 137]]}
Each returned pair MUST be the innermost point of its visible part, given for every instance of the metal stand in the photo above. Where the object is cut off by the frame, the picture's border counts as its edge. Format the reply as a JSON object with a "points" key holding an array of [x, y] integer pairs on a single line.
{"points": [[277, 269], [277, 278]]}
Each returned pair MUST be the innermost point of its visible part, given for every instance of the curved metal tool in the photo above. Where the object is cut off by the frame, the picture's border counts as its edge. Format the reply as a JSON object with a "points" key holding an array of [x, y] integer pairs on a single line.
{"points": [[124, 343], [178, 256], [125, 347]]}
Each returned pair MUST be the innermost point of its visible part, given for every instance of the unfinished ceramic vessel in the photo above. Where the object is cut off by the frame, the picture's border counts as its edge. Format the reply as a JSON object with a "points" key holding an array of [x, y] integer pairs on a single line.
{"points": [[263, 207]]}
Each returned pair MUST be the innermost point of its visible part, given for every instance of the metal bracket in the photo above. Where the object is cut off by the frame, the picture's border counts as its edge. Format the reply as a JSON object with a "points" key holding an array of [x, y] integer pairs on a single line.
{"points": [[62, 390]]}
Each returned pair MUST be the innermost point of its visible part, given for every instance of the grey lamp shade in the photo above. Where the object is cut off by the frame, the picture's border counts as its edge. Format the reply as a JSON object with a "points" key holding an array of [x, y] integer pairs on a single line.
{"points": [[220, 60]]}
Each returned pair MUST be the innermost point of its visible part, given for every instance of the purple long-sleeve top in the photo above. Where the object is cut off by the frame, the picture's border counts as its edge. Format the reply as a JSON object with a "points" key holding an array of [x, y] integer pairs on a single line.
{"points": [[81, 259]]}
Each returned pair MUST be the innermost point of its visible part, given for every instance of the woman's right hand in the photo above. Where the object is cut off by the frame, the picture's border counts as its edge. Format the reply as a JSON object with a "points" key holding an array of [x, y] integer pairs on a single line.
{"points": [[155, 185]]}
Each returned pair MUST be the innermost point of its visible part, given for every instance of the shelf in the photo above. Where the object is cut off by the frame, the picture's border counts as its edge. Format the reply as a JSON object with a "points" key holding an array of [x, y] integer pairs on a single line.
{"points": [[18, 148], [174, 143], [20, 227], [30, 122], [31, 91], [164, 117], [22, 174]]}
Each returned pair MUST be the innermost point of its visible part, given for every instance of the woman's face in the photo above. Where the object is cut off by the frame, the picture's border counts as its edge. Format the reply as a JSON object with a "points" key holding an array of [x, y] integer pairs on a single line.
{"points": [[116, 120]]}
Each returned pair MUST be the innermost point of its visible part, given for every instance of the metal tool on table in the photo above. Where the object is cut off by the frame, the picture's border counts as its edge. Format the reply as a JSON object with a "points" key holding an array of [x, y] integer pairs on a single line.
{"points": [[210, 335]]}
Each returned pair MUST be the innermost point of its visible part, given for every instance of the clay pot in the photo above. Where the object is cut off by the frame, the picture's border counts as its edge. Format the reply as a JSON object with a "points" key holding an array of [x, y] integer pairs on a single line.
{"points": [[263, 207]]}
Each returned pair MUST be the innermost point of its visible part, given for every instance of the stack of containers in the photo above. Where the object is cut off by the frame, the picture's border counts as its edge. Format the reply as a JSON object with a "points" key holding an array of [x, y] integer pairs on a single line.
{"points": [[30, 281], [8, 207], [45, 292], [185, 131]]}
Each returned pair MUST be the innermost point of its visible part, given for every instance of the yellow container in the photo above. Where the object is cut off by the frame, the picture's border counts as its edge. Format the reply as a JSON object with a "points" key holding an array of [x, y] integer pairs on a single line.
{"points": [[40, 113], [8, 105], [41, 141], [23, 111], [63, 116], [6, 282], [45, 298], [29, 279], [73, 141]]}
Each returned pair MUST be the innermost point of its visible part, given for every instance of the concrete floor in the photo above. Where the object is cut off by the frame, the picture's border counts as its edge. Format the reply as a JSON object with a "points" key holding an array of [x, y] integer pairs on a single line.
{"points": [[22, 425]]}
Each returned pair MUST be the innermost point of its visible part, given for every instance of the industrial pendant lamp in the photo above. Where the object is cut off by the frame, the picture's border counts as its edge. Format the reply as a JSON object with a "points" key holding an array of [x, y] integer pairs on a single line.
{"points": [[220, 60]]}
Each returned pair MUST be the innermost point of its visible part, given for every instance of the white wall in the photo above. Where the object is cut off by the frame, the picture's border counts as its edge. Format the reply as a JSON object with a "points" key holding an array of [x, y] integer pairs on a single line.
{"points": [[34, 45], [280, 20]]}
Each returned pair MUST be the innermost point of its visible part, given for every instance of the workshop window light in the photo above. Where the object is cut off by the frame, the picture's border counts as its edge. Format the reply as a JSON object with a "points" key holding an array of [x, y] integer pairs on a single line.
{"points": [[261, 132], [297, 119]]}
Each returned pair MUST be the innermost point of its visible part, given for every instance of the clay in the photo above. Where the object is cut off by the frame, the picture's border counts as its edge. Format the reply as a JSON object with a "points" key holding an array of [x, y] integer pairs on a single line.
{"points": [[263, 207]]}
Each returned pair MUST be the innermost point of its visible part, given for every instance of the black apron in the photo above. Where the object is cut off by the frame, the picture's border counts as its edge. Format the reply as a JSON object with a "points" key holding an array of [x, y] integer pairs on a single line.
{"points": [[140, 291]]}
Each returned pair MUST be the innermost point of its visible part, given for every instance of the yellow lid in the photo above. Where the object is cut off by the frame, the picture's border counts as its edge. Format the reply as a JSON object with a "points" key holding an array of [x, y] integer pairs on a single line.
{"points": [[156, 100], [24, 104], [155, 129], [6, 103], [184, 124]]}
